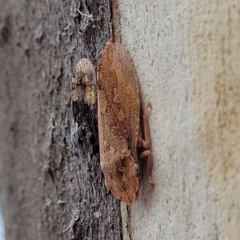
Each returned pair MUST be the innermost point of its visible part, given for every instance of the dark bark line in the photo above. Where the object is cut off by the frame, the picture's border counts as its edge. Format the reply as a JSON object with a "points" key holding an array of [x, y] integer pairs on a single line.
{"points": [[46, 192]]}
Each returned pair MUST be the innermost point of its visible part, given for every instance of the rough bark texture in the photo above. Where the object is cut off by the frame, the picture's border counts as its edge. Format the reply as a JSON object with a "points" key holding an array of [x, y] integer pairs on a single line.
{"points": [[46, 192], [187, 58]]}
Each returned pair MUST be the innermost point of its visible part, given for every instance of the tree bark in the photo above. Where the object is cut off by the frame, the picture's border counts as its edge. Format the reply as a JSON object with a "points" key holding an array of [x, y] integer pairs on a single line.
{"points": [[46, 192], [187, 56]]}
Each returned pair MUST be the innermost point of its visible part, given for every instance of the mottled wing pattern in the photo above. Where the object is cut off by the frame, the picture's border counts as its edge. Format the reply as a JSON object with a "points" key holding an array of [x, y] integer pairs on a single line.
{"points": [[83, 124], [118, 98]]}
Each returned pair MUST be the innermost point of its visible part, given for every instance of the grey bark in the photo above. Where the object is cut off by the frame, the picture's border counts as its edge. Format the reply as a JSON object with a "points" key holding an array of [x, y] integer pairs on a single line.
{"points": [[46, 192]]}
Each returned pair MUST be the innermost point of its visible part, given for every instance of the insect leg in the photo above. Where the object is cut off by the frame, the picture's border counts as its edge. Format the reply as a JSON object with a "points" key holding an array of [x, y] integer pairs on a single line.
{"points": [[148, 154], [146, 143]]}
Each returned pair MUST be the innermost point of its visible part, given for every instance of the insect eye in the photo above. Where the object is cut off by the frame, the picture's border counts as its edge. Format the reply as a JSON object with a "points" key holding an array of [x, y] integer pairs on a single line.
{"points": [[135, 170]]}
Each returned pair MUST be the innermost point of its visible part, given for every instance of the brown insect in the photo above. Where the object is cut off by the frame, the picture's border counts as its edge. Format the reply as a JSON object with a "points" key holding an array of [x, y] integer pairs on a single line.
{"points": [[119, 123]]}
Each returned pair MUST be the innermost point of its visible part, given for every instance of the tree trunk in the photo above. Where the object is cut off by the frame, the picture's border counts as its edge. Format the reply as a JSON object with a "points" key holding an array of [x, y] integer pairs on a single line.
{"points": [[46, 192], [187, 55]]}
